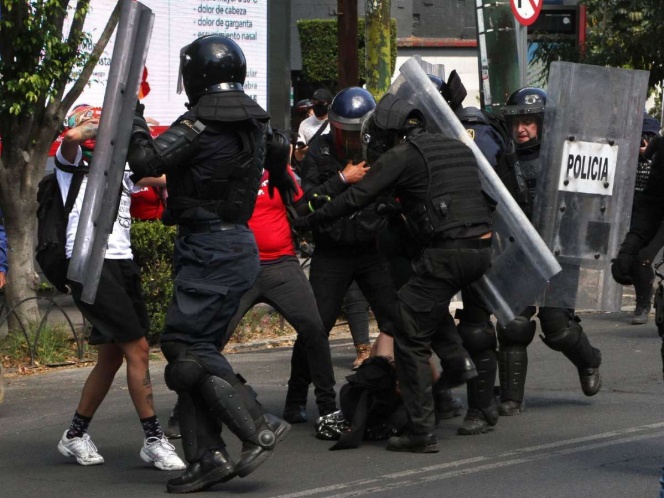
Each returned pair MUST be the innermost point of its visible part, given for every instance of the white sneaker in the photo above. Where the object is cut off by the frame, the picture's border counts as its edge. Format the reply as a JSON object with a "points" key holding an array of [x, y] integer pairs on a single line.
{"points": [[82, 448], [162, 454]]}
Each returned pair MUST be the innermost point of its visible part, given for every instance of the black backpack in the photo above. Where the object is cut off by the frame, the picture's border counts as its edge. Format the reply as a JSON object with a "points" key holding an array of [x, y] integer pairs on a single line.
{"points": [[52, 219]]}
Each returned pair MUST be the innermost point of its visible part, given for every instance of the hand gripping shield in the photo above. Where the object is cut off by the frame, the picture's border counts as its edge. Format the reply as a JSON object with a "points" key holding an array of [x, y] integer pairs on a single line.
{"points": [[522, 264], [108, 162], [592, 130]]}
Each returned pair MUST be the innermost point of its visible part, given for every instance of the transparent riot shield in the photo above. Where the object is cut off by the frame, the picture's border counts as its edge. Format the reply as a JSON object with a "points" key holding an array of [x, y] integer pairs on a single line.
{"points": [[112, 142], [591, 135], [522, 263]]}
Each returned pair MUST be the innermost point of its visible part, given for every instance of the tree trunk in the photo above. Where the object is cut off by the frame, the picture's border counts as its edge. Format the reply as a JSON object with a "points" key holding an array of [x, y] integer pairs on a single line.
{"points": [[378, 41], [347, 43], [20, 207]]}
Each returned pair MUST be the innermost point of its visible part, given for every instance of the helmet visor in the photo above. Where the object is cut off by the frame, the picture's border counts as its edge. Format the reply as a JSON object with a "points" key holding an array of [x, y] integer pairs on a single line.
{"points": [[348, 144], [180, 86]]}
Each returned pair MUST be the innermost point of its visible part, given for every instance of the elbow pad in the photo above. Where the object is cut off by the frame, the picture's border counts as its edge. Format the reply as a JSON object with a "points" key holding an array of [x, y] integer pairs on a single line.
{"points": [[176, 145], [278, 152]]}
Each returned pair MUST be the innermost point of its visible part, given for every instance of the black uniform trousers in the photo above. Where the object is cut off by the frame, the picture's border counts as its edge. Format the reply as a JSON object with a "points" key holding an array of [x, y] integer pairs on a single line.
{"points": [[212, 272], [423, 306]]}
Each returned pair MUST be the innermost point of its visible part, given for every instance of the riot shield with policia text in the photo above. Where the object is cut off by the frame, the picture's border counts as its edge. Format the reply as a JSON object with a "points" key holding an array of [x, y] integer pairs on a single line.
{"points": [[522, 264], [108, 162], [591, 136]]}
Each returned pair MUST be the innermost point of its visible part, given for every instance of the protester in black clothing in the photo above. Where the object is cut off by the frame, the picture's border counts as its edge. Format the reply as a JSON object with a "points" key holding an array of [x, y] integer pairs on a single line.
{"points": [[437, 182], [213, 157], [346, 251]]}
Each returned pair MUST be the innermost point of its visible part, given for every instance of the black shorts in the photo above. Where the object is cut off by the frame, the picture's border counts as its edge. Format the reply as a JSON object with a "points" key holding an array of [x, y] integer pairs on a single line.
{"points": [[119, 313]]}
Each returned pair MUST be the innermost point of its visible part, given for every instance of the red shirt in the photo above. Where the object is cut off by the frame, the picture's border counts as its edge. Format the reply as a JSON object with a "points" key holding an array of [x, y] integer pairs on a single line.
{"points": [[147, 204], [270, 223]]}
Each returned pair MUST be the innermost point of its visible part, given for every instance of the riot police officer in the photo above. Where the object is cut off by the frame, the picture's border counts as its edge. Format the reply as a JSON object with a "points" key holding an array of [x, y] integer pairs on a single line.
{"points": [[475, 326], [213, 156], [524, 114], [451, 218]]}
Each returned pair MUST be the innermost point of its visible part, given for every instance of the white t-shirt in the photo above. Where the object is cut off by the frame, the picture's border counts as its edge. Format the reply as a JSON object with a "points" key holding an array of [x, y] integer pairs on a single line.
{"points": [[119, 242], [309, 127]]}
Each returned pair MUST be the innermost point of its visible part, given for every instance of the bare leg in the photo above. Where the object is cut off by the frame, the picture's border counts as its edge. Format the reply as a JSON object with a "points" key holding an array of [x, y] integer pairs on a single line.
{"points": [[99, 381], [138, 376]]}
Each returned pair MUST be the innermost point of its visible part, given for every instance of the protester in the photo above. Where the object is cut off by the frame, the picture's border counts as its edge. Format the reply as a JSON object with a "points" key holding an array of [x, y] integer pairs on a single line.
{"points": [[118, 315]]}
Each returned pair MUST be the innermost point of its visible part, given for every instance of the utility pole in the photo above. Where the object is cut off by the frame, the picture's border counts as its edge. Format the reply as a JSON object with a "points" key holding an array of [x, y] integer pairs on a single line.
{"points": [[377, 46], [347, 43], [499, 71]]}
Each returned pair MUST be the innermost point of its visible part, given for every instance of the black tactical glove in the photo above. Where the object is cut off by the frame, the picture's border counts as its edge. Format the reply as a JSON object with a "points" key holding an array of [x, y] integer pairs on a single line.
{"points": [[317, 201], [621, 268], [388, 206], [302, 224], [285, 185], [140, 109]]}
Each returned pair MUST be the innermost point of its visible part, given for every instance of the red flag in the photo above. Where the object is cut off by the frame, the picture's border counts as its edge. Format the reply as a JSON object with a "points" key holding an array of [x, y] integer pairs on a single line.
{"points": [[144, 88]]}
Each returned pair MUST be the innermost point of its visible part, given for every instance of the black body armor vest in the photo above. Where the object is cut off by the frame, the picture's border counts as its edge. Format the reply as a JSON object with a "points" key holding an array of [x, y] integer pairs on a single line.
{"points": [[454, 196], [225, 188]]}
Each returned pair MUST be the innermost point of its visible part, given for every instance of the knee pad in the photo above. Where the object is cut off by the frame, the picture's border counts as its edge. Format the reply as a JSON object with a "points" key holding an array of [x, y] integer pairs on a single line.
{"points": [[518, 332], [477, 338], [184, 374], [564, 339]]}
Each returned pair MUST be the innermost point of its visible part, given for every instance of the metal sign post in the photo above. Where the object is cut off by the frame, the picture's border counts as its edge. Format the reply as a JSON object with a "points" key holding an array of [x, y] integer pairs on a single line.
{"points": [[525, 13]]}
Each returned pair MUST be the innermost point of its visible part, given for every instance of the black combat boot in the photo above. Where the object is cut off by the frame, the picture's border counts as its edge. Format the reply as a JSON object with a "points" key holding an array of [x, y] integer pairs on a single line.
{"points": [[213, 468], [591, 382], [479, 421], [414, 443]]}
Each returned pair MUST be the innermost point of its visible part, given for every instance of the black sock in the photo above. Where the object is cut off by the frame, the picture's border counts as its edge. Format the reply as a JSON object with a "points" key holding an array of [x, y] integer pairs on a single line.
{"points": [[79, 426], [152, 427]]}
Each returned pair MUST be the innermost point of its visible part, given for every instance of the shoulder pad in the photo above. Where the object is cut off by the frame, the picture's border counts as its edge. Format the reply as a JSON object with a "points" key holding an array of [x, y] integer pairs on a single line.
{"points": [[471, 115], [229, 107], [182, 129]]}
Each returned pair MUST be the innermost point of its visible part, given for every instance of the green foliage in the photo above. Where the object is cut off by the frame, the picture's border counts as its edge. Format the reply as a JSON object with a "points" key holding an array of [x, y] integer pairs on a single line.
{"points": [[620, 33], [55, 346], [33, 53], [152, 245], [318, 42]]}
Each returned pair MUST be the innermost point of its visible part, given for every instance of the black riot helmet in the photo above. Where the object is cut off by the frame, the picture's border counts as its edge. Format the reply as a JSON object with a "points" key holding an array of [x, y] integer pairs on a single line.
{"points": [[346, 113], [211, 64], [393, 120], [525, 106]]}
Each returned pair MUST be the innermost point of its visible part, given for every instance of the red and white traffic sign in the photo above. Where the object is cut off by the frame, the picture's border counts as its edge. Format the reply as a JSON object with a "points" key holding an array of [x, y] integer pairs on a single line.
{"points": [[526, 11]]}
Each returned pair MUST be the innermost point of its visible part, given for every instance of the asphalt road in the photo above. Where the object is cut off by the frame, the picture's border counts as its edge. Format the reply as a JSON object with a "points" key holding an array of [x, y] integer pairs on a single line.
{"points": [[564, 445]]}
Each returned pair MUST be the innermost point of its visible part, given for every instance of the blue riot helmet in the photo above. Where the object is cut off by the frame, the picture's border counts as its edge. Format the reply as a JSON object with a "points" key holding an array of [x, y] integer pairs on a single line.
{"points": [[348, 110], [524, 115]]}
